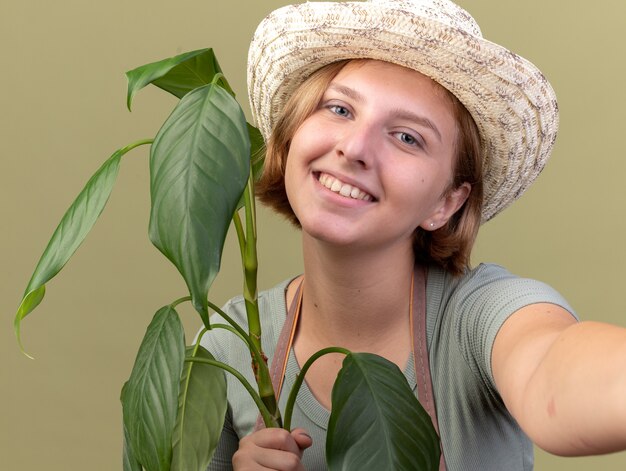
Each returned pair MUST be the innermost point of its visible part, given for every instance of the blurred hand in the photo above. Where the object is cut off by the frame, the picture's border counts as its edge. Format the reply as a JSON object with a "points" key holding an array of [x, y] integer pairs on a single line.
{"points": [[272, 449]]}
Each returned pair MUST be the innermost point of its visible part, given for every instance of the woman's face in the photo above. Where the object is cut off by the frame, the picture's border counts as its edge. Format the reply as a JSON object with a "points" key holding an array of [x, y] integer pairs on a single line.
{"points": [[374, 160]]}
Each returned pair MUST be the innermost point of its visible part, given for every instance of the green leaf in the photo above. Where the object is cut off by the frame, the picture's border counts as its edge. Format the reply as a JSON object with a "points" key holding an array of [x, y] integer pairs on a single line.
{"points": [[150, 399], [376, 422], [69, 234], [201, 412], [257, 150], [129, 462], [199, 167], [257, 157], [177, 75]]}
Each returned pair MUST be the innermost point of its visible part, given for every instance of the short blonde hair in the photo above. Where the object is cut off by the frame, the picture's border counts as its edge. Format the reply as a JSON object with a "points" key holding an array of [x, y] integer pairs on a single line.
{"points": [[449, 246]]}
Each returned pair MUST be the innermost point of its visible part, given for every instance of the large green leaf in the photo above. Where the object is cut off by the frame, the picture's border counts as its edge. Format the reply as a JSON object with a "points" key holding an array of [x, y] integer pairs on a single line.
{"points": [[376, 422], [177, 75], [201, 411], [150, 398], [199, 167], [129, 462], [69, 234]]}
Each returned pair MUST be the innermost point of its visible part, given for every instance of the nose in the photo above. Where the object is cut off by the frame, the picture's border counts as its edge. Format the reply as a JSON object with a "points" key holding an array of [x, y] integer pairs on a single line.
{"points": [[356, 144]]}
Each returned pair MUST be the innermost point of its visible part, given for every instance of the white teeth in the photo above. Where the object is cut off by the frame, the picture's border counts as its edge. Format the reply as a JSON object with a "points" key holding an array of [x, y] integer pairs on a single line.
{"points": [[337, 186], [346, 190]]}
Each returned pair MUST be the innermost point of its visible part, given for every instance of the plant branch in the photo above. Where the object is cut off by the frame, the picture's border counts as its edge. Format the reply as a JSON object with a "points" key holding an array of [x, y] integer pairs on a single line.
{"points": [[267, 417], [259, 362], [233, 327], [238, 330], [131, 146], [174, 304], [250, 265], [233, 330], [300, 378]]}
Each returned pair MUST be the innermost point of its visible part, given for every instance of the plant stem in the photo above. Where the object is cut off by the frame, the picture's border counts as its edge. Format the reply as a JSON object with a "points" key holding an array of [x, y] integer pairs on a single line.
{"points": [[300, 378], [250, 266], [258, 358], [267, 417], [272, 418], [180, 301], [239, 331], [241, 236], [131, 146], [230, 329], [200, 335], [233, 327]]}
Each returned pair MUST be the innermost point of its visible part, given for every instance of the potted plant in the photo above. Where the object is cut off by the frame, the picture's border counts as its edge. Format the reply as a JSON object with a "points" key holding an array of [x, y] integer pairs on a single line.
{"points": [[203, 164]]}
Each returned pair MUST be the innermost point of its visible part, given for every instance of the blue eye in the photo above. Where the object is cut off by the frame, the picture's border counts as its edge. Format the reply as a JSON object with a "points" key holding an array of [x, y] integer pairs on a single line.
{"points": [[407, 139], [340, 110]]}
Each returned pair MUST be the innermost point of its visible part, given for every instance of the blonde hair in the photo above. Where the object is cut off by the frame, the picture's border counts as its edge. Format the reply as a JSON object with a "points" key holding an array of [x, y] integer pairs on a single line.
{"points": [[449, 246]]}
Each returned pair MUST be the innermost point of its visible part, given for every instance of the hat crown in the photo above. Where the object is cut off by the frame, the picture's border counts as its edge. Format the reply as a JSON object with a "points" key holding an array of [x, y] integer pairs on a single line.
{"points": [[442, 11]]}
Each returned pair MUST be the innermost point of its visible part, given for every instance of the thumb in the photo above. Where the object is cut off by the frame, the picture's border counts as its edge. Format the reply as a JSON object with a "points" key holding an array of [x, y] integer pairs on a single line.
{"points": [[302, 438]]}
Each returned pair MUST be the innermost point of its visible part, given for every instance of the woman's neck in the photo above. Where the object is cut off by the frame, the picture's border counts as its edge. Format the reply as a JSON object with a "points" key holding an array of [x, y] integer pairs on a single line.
{"points": [[357, 299]]}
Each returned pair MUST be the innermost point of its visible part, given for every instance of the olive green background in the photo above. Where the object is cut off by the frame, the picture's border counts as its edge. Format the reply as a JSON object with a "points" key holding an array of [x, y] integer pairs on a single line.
{"points": [[63, 112]]}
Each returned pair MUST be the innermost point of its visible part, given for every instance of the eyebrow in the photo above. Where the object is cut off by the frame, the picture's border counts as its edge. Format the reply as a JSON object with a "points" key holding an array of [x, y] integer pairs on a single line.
{"points": [[399, 112], [347, 91]]}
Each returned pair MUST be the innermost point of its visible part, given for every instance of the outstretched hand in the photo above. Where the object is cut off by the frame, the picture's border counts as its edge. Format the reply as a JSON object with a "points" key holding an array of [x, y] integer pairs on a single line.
{"points": [[272, 449]]}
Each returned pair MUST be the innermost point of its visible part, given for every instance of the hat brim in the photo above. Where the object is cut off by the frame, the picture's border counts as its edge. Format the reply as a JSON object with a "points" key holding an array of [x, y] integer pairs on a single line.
{"points": [[510, 100]]}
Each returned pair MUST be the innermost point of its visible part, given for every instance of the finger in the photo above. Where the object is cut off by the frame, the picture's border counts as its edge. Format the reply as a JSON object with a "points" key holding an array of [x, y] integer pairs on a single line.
{"points": [[258, 459], [302, 439], [274, 438], [274, 449]]}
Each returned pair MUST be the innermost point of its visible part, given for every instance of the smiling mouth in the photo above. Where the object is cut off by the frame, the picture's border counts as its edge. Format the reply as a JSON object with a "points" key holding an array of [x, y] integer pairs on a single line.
{"points": [[337, 186]]}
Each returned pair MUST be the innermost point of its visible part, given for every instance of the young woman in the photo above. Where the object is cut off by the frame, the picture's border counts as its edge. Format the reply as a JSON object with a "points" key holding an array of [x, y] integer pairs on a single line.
{"points": [[394, 129]]}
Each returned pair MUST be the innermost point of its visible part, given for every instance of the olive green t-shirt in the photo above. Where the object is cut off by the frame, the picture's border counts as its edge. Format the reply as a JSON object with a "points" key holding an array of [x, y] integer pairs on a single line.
{"points": [[464, 315]]}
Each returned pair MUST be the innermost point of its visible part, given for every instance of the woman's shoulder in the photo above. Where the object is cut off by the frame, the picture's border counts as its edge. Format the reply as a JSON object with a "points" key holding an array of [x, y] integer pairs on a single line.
{"points": [[488, 280], [485, 296]]}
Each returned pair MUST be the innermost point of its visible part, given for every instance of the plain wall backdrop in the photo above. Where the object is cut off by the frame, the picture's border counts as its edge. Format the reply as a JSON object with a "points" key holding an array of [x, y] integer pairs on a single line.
{"points": [[63, 113]]}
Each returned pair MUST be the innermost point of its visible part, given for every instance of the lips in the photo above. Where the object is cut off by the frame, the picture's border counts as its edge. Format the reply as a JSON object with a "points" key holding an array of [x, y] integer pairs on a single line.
{"points": [[344, 189]]}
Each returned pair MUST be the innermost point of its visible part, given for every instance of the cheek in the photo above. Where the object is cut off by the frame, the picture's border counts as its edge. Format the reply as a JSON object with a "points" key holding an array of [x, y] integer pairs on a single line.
{"points": [[293, 178], [420, 189], [288, 175], [311, 139]]}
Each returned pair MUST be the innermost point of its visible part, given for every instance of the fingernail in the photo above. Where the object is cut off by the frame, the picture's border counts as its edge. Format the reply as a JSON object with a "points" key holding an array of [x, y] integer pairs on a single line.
{"points": [[305, 434]]}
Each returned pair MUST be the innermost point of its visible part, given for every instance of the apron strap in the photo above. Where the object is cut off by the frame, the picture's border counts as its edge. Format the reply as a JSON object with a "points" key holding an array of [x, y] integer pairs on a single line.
{"points": [[420, 350]]}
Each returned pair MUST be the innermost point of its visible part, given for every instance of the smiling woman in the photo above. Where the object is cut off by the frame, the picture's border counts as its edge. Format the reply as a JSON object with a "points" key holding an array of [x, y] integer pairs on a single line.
{"points": [[87, 335], [366, 154], [451, 244]]}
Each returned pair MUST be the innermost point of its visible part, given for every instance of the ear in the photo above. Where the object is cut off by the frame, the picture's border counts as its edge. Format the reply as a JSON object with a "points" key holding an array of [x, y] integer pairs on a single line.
{"points": [[451, 202]]}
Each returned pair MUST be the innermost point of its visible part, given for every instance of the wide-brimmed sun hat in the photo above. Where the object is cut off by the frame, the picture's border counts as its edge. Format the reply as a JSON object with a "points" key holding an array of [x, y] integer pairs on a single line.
{"points": [[510, 100]]}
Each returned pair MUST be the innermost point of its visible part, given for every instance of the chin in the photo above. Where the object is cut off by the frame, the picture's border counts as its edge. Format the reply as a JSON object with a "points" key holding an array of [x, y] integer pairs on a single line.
{"points": [[330, 234]]}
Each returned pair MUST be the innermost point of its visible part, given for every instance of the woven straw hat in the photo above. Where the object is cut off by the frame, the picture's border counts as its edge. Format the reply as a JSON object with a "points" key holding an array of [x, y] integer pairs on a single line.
{"points": [[510, 100]]}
